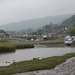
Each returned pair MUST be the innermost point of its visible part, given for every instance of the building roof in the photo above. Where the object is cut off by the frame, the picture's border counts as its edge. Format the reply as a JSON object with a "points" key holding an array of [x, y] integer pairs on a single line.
{"points": [[2, 31]]}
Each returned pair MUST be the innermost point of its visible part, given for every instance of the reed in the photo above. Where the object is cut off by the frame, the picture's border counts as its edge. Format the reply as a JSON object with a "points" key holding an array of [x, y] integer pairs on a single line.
{"points": [[5, 48], [8, 47], [23, 45]]}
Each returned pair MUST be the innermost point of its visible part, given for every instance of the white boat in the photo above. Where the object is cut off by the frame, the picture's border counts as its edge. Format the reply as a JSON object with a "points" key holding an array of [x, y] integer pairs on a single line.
{"points": [[73, 38], [68, 40]]}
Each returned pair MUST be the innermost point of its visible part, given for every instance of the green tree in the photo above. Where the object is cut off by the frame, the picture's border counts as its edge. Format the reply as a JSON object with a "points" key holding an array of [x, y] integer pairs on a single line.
{"points": [[34, 33], [72, 31], [74, 24], [40, 31]]}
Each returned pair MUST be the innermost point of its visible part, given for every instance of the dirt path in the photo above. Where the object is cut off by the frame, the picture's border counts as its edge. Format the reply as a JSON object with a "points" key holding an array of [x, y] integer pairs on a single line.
{"points": [[66, 68]]}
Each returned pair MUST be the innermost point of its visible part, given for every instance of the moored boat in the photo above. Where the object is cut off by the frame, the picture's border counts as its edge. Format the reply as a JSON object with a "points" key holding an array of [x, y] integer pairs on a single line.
{"points": [[73, 38], [68, 40]]}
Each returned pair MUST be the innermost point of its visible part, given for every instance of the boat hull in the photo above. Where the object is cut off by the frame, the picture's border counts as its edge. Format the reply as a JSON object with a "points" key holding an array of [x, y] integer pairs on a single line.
{"points": [[68, 42]]}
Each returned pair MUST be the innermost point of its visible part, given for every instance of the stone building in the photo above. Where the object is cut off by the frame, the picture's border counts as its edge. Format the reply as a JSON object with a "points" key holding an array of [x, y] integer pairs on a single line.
{"points": [[2, 33]]}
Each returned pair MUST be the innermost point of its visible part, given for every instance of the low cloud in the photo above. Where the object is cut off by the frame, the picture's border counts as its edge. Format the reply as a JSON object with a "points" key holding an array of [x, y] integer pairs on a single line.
{"points": [[17, 10]]}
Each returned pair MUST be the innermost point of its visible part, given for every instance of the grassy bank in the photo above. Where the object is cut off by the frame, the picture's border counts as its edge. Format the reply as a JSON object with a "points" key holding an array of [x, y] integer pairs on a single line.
{"points": [[3, 40], [35, 64], [58, 42], [8, 47], [22, 45]]}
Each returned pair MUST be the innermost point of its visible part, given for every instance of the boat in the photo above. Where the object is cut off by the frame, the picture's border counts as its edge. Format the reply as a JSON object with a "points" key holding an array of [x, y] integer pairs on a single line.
{"points": [[68, 40], [73, 38]]}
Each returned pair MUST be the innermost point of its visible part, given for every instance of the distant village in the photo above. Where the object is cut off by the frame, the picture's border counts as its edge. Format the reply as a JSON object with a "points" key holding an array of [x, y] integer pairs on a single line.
{"points": [[56, 33]]}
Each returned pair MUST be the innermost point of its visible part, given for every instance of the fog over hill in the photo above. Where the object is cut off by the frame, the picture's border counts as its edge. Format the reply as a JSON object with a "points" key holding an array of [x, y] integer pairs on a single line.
{"points": [[35, 23]]}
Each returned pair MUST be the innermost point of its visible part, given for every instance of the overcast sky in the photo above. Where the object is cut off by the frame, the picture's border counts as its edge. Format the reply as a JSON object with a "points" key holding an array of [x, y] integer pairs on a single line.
{"points": [[18, 10]]}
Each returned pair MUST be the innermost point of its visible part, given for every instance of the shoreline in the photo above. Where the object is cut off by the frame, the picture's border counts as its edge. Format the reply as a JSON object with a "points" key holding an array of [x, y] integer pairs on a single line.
{"points": [[65, 68], [34, 65]]}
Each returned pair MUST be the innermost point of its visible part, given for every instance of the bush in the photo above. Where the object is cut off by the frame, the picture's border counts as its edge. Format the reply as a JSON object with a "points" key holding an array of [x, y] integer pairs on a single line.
{"points": [[72, 31]]}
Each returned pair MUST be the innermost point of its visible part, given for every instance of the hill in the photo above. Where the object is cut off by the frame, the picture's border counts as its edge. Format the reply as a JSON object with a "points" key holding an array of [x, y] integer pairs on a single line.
{"points": [[69, 22], [35, 23]]}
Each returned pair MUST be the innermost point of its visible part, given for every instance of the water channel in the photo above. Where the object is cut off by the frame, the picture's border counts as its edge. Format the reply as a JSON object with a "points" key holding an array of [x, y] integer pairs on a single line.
{"points": [[40, 51]]}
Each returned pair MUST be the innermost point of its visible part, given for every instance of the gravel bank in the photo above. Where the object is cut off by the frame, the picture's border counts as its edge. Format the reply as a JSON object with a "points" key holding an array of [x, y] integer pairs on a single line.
{"points": [[66, 68]]}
